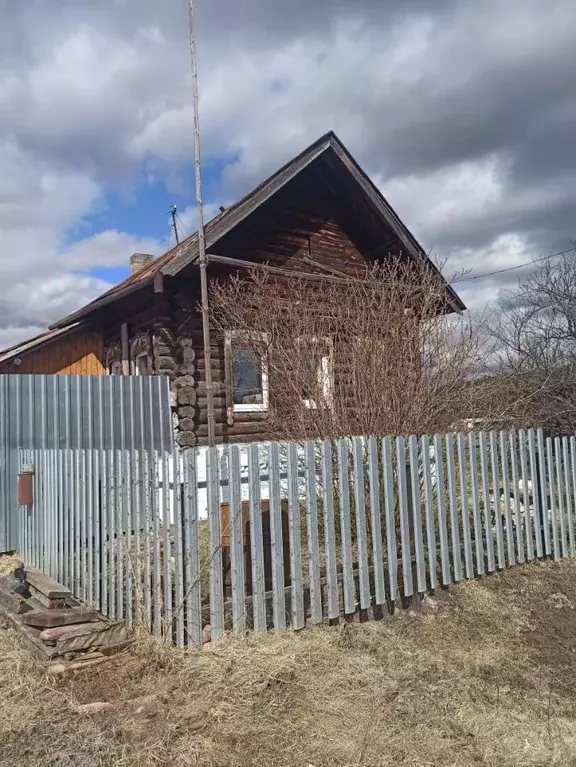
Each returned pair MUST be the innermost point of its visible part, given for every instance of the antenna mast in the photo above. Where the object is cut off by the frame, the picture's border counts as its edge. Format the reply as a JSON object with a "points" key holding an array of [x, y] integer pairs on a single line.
{"points": [[202, 260], [173, 211]]}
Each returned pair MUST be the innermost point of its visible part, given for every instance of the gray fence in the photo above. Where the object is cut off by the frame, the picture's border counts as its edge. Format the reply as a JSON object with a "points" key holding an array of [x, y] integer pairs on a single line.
{"points": [[75, 412], [350, 526]]}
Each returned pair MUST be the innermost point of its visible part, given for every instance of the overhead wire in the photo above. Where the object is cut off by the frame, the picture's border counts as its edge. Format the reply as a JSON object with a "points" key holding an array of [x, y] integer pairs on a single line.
{"points": [[518, 266]]}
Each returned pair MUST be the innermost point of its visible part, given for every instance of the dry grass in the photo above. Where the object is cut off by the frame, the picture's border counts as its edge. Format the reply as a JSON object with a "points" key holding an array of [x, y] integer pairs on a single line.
{"points": [[9, 562], [485, 675]]}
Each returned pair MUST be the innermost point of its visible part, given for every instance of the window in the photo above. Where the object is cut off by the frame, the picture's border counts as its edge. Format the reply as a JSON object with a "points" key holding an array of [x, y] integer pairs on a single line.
{"points": [[114, 360], [246, 372], [316, 372], [141, 367], [139, 357]]}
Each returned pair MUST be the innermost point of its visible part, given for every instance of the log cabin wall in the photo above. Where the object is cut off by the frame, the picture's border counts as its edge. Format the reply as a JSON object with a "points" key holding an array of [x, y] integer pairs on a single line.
{"points": [[304, 227], [301, 226], [148, 322], [77, 353]]}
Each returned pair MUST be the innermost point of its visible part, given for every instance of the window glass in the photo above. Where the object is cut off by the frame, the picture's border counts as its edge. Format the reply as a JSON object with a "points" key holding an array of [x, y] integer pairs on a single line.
{"points": [[247, 376]]}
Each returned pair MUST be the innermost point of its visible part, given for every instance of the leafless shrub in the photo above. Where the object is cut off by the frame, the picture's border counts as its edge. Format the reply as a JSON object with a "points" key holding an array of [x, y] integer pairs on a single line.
{"points": [[534, 340], [375, 355]]}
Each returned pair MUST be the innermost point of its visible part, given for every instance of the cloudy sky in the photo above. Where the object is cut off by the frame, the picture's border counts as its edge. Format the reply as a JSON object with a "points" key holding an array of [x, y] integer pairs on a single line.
{"points": [[462, 111]]}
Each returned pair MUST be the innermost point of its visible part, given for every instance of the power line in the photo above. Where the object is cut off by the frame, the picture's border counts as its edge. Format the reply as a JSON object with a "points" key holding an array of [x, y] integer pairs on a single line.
{"points": [[518, 266]]}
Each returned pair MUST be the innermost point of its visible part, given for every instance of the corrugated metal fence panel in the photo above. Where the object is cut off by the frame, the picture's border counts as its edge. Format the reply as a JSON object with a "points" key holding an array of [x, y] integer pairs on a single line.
{"points": [[76, 413]]}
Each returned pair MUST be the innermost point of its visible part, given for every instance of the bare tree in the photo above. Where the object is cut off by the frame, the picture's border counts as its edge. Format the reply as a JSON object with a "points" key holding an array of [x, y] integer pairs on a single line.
{"points": [[535, 349], [375, 355]]}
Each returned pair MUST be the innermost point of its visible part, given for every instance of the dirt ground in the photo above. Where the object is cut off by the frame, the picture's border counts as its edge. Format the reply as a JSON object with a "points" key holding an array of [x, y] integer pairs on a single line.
{"points": [[484, 675]]}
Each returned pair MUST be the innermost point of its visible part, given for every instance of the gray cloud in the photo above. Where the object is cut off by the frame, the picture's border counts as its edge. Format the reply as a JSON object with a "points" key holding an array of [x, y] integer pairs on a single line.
{"points": [[462, 110]]}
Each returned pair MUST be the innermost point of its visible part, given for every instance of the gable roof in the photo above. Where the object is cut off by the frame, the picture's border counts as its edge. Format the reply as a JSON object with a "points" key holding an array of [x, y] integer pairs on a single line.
{"points": [[328, 146]]}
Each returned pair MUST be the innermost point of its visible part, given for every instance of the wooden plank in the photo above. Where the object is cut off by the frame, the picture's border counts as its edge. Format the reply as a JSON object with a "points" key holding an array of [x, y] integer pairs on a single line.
{"points": [[53, 618], [93, 635], [46, 585]]}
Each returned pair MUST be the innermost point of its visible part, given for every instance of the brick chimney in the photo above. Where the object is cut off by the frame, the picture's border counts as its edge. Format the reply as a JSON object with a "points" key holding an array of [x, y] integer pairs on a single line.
{"points": [[139, 261]]}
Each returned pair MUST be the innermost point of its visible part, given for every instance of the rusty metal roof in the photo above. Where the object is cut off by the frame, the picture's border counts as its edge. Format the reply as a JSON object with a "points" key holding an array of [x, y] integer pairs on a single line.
{"points": [[172, 262]]}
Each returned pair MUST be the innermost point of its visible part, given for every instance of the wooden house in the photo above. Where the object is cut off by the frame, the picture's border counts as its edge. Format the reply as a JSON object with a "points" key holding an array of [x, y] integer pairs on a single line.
{"points": [[319, 213], [73, 350]]}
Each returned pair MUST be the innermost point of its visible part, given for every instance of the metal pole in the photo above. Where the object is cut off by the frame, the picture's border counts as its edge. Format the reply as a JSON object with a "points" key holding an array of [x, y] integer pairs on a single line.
{"points": [[202, 261], [173, 211]]}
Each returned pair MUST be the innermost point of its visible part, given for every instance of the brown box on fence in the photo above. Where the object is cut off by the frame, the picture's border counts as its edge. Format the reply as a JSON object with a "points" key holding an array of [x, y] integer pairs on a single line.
{"points": [[26, 488], [266, 545]]}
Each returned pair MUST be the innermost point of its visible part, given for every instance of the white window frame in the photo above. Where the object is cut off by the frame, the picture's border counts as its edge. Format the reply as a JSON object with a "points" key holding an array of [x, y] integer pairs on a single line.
{"points": [[251, 407], [135, 369], [325, 372], [115, 368]]}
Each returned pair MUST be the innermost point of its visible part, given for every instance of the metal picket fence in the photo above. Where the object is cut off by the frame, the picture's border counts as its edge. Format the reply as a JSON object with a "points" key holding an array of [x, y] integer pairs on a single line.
{"points": [[285, 535]]}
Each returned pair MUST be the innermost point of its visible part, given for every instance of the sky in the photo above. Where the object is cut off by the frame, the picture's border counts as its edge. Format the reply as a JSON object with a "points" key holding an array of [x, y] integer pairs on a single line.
{"points": [[462, 111]]}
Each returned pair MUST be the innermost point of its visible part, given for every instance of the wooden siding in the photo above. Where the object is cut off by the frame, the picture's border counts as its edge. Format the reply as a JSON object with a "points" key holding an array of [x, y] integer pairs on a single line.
{"points": [[73, 354]]}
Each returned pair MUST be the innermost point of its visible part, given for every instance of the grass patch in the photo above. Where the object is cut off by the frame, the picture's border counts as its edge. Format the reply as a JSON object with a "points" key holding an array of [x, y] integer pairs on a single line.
{"points": [[8, 562], [486, 674]]}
